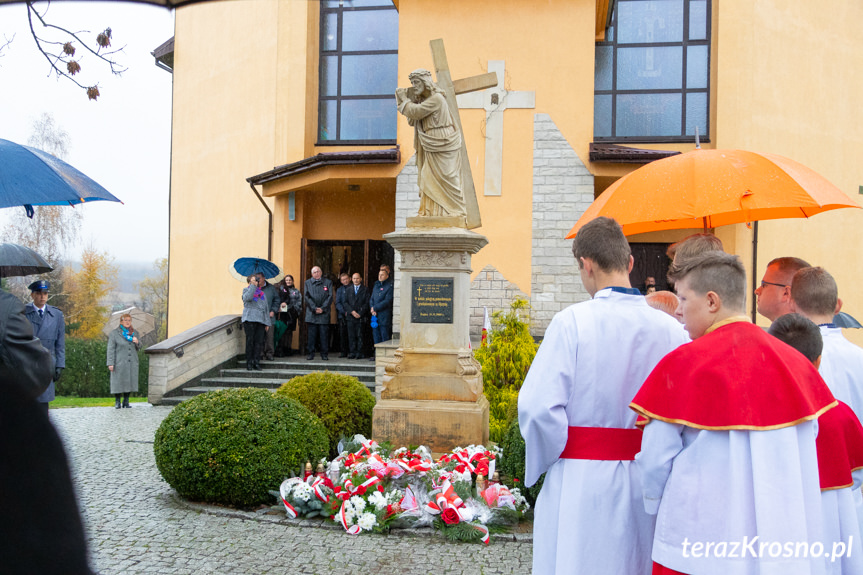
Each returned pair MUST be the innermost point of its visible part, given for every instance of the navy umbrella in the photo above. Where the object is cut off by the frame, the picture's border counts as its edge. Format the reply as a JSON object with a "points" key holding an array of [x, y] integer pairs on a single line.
{"points": [[18, 260], [244, 267], [843, 319], [31, 177]]}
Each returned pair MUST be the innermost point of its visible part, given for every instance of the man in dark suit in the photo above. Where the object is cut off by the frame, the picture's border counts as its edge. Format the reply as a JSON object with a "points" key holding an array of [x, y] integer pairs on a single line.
{"points": [[50, 327], [381, 303], [357, 305], [318, 300], [342, 312]]}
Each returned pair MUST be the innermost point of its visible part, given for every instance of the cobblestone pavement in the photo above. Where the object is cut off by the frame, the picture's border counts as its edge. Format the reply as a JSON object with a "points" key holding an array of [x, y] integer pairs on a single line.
{"points": [[137, 524]]}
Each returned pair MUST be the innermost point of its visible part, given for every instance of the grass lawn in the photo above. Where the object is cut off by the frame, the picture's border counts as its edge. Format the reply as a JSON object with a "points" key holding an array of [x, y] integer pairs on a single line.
{"points": [[60, 401]]}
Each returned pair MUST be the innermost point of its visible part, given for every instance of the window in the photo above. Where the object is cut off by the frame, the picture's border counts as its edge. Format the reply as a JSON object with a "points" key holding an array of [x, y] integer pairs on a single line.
{"points": [[359, 63], [652, 73]]}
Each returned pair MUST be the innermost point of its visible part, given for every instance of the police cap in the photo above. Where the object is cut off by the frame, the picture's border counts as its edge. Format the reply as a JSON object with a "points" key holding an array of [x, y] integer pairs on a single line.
{"points": [[39, 285]]}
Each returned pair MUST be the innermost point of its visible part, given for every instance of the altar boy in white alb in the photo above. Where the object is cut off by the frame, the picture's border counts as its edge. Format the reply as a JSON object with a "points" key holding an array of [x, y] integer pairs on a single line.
{"points": [[573, 415], [728, 459]]}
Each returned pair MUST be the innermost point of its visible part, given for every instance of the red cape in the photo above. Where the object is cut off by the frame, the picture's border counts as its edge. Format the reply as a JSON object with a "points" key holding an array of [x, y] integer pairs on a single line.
{"points": [[840, 447], [736, 377]]}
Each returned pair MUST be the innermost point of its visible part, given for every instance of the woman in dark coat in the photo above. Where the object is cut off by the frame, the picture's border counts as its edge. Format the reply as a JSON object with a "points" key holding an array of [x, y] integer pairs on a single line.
{"points": [[123, 346], [292, 305]]}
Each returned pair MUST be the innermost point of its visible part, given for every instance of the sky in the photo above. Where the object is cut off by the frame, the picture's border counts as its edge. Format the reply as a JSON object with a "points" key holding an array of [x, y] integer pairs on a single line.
{"points": [[122, 140]]}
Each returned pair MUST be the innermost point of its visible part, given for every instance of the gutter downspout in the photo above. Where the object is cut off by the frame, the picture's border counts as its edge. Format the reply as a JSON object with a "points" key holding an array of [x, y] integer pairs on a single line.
{"points": [[270, 219]]}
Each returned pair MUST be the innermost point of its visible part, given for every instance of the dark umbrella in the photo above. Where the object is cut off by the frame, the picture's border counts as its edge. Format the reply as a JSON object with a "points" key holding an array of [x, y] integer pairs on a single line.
{"points": [[244, 267], [18, 260], [843, 319], [31, 177]]}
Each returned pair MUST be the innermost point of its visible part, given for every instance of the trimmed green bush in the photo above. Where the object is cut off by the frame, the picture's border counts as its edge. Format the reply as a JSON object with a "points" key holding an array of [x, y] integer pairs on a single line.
{"points": [[341, 402], [232, 446], [86, 373], [512, 462], [506, 359]]}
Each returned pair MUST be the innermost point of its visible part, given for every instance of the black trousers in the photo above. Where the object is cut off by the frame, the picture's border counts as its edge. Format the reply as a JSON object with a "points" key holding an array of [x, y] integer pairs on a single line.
{"points": [[318, 333], [255, 338], [344, 345], [355, 336]]}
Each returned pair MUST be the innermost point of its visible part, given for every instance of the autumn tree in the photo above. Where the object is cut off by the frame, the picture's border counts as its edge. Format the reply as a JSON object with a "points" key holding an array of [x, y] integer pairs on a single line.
{"points": [[87, 289], [154, 296], [52, 228]]}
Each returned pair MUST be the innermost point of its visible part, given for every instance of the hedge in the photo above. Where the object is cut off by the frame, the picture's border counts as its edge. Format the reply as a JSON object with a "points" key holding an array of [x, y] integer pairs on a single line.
{"points": [[86, 373], [234, 445]]}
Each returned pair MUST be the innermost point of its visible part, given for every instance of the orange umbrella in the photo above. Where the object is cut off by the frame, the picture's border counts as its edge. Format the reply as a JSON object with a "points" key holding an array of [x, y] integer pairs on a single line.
{"points": [[711, 188]]}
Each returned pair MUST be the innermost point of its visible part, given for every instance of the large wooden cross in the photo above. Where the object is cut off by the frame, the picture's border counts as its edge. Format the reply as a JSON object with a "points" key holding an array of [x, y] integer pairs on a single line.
{"points": [[451, 89]]}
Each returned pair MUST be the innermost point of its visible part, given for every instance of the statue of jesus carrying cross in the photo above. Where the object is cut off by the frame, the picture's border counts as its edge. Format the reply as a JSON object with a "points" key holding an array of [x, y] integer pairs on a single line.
{"points": [[445, 183]]}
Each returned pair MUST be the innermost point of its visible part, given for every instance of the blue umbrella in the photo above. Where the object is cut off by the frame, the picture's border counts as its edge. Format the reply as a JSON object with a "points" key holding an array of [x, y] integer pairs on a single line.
{"points": [[31, 177], [843, 319], [244, 267]]}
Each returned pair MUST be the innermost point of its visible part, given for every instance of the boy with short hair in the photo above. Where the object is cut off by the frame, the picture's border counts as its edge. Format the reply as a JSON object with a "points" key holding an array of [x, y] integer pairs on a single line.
{"points": [[572, 411], [840, 454], [814, 294], [728, 454]]}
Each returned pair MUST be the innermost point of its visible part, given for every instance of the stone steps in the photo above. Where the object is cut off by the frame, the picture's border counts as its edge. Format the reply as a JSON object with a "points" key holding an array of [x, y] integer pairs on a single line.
{"points": [[274, 373]]}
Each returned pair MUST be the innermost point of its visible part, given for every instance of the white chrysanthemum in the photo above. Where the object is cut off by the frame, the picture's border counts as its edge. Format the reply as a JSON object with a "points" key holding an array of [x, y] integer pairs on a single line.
{"points": [[400, 451], [303, 491], [520, 500], [378, 499], [359, 503], [395, 495], [367, 521]]}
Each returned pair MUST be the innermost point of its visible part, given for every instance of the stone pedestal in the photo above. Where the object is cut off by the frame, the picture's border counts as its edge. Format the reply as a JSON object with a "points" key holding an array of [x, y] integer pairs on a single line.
{"points": [[432, 390]]}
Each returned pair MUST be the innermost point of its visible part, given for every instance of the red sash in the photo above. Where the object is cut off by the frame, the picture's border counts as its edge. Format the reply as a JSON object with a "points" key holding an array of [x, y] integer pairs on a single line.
{"points": [[602, 444]]}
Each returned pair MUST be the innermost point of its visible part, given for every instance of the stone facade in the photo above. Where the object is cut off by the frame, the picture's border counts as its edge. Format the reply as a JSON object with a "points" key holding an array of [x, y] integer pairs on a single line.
{"points": [[562, 191], [407, 206], [491, 290]]}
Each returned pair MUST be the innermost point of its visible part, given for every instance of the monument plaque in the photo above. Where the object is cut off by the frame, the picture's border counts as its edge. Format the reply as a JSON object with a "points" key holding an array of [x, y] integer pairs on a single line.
{"points": [[431, 300]]}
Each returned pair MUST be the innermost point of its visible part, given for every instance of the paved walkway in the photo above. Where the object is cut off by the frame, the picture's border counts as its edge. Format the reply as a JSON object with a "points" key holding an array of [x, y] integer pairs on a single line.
{"points": [[136, 524]]}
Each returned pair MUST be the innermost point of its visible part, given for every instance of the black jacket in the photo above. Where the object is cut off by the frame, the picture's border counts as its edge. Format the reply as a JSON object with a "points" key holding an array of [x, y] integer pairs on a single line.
{"points": [[358, 302], [318, 294], [24, 363]]}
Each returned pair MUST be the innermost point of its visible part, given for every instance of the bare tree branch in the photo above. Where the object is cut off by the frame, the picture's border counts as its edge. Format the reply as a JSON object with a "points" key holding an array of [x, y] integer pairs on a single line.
{"points": [[66, 50], [6, 41]]}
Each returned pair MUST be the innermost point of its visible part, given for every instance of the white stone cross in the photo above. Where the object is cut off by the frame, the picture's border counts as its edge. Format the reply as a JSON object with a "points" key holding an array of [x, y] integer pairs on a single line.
{"points": [[494, 101]]}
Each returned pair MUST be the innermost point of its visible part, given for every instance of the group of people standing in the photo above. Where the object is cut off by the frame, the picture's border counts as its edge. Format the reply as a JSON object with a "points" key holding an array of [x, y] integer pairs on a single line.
{"points": [[704, 445], [265, 307]]}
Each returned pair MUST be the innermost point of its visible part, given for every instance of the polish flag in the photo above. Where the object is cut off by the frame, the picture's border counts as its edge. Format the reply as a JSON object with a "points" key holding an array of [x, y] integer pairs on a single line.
{"points": [[486, 327]]}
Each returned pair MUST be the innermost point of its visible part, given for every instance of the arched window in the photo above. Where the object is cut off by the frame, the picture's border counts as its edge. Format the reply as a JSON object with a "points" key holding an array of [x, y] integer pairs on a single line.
{"points": [[359, 64]]}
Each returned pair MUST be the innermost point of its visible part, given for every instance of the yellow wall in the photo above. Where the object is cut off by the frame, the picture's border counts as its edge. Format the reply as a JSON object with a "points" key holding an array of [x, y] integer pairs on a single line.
{"points": [[789, 83], [224, 130], [548, 49]]}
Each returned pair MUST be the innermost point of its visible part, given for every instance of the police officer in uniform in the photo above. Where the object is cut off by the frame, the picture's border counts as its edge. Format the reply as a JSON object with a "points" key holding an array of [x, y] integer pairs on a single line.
{"points": [[50, 327]]}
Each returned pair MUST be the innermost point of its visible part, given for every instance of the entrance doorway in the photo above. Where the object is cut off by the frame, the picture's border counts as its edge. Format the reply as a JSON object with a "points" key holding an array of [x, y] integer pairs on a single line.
{"points": [[650, 261], [336, 257]]}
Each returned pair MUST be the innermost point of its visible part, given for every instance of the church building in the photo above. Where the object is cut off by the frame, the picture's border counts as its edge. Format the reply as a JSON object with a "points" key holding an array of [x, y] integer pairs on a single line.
{"points": [[287, 143]]}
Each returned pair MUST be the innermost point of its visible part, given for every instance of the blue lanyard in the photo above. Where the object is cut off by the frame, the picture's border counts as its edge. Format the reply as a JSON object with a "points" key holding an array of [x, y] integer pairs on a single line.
{"points": [[627, 291]]}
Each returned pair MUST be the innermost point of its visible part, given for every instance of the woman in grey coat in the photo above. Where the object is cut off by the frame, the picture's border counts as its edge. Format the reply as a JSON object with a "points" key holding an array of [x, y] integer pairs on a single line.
{"points": [[256, 320], [123, 346]]}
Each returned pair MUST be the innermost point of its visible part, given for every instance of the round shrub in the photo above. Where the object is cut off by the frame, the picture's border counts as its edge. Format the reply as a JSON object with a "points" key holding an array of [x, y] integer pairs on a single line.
{"points": [[512, 462], [233, 446], [341, 402]]}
